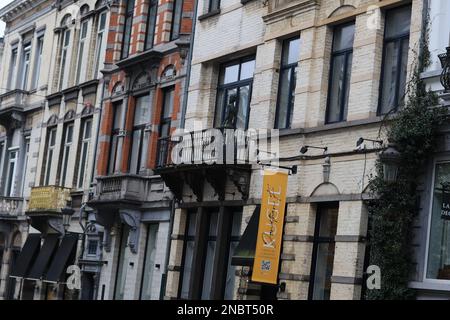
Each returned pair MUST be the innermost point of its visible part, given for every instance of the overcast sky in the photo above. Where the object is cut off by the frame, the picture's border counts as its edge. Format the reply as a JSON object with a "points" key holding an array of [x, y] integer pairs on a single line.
{"points": [[2, 25]]}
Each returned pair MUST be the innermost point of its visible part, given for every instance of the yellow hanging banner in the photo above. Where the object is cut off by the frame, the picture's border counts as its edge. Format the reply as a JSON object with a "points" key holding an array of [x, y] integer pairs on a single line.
{"points": [[270, 230]]}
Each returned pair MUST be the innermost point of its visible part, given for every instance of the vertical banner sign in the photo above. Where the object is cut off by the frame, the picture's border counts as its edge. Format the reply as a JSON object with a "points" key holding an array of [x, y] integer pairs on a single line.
{"points": [[270, 230]]}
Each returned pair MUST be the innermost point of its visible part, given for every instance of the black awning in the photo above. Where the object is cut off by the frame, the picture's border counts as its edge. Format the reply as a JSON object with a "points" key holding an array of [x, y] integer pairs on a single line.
{"points": [[27, 256], [244, 253], [64, 256], [45, 256]]}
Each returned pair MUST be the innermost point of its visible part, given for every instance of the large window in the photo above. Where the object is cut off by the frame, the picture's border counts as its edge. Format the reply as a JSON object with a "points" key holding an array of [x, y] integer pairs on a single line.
{"points": [[286, 89], [25, 162], [12, 69], [149, 262], [114, 164], [438, 266], [50, 149], [64, 57], [66, 145], [323, 253], [122, 264], [207, 269], [164, 125], [38, 61], [151, 24], [234, 92], [25, 68], [85, 141], [176, 19], [340, 73], [81, 45], [395, 59], [12, 168], [140, 135], [126, 40], [100, 42]]}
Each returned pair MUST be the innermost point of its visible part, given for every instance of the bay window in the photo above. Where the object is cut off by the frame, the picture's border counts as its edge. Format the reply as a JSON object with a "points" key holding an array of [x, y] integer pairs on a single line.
{"points": [[286, 88], [395, 59], [140, 134], [151, 24], [438, 264], [128, 24], [340, 73], [234, 93]]}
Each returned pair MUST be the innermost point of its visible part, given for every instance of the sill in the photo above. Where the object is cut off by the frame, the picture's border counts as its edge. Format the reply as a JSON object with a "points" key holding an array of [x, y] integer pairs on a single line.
{"points": [[209, 14]]}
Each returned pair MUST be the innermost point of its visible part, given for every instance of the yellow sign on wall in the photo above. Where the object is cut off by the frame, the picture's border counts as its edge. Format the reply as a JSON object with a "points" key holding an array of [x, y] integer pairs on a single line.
{"points": [[270, 230]]}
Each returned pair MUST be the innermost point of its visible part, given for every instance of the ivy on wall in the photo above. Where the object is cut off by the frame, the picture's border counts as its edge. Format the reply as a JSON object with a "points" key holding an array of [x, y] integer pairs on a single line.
{"points": [[414, 130]]}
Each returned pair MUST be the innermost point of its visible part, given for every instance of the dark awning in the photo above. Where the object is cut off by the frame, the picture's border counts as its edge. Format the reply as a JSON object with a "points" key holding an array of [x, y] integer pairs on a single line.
{"points": [[27, 255], [45, 255], [63, 257], [245, 251]]}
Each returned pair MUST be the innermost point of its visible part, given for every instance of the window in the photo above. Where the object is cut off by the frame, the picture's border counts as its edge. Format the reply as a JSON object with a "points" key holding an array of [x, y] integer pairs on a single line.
{"points": [[100, 43], [25, 162], [2, 148], [64, 52], [140, 135], [85, 140], [151, 24], [92, 247], [122, 265], [164, 126], [395, 59], [12, 167], [38, 61], [286, 89], [213, 5], [211, 275], [126, 40], [114, 164], [340, 72], [67, 143], [82, 40], [438, 265], [234, 92], [25, 69], [12, 69], [149, 262], [188, 254], [51, 142], [176, 19], [323, 253]]}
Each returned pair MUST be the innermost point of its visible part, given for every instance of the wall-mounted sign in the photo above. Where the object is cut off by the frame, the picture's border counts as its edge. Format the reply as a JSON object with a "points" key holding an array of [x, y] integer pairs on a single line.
{"points": [[270, 229], [445, 209]]}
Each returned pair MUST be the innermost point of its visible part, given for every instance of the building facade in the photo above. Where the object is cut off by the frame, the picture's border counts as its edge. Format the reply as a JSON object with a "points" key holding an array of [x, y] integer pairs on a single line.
{"points": [[145, 73]]}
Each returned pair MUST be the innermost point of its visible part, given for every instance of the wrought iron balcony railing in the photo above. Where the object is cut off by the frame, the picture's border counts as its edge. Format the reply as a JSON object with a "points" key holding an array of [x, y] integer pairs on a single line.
{"points": [[11, 206], [48, 198]]}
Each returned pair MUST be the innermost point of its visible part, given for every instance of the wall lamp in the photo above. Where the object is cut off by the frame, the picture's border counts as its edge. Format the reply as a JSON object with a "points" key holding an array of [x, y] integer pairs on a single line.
{"points": [[305, 149], [361, 141]]}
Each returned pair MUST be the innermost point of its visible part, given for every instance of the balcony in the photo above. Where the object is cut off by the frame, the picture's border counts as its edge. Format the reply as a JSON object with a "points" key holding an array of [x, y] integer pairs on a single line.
{"points": [[12, 106], [125, 188], [49, 199], [11, 207]]}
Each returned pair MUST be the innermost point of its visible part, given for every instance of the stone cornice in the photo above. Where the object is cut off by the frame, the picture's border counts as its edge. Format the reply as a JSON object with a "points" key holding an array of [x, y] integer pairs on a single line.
{"points": [[283, 11], [18, 7]]}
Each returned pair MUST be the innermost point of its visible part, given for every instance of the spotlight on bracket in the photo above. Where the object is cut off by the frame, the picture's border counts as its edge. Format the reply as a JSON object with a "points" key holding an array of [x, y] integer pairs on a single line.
{"points": [[361, 141], [305, 149]]}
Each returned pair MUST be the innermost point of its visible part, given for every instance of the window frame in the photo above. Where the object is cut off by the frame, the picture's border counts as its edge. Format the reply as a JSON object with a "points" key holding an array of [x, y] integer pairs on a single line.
{"points": [[236, 84], [84, 146], [48, 160], [129, 16], [38, 60], [64, 58], [153, 4], [66, 147], [293, 67], [162, 158], [100, 39], [175, 34], [25, 65], [10, 179], [81, 49], [399, 39], [115, 134], [143, 128], [13, 65], [334, 54]]}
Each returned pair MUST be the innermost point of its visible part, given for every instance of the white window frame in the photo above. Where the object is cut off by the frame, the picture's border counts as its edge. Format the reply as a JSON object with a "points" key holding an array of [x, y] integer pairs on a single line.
{"points": [[100, 43], [66, 148], [10, 184], [81, 49], [48, 160], [38, 60], [65, 44], [25, 66], [12, 68], [25, 162], [85, 148]]}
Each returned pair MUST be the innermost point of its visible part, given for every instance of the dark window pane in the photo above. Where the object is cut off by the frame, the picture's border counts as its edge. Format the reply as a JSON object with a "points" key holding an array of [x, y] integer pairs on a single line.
{"points": [[390, 70], [168, 102], [176, 19], [291, 51], [151, 21], [336, 89], [403, 71], [213, 5], [142, 111], [244, 104], [343, 37], [398, 22], [323, 272]]}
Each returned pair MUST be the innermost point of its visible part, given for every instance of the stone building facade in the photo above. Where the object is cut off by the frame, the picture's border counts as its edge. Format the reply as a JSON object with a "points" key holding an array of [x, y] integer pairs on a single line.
{"points": [[145, 72], [325, 73]]}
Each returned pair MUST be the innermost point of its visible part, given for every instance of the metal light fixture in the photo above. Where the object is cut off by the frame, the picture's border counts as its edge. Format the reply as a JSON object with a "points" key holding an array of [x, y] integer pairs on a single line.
{"points": [[445, 75], [305, 149], [67, 213], [361, 141], [390, 159]]}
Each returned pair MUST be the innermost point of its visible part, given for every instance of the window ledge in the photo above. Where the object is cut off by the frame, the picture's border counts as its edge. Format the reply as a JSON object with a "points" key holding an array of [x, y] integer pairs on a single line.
{"points": [[209, 14], [426, 285]]}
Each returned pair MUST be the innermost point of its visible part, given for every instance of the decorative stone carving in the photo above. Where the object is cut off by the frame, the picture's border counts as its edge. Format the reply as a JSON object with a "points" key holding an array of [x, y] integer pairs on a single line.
{"points": [[132, 220]]}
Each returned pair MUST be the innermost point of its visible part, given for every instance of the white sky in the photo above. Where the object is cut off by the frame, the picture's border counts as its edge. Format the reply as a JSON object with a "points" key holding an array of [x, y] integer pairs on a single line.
{"points": [[2, 25]]}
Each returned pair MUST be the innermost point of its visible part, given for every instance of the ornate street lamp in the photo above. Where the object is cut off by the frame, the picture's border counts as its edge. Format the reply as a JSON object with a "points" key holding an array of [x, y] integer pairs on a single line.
{"points": [[67, 213], [390, 159], [445, 75]]}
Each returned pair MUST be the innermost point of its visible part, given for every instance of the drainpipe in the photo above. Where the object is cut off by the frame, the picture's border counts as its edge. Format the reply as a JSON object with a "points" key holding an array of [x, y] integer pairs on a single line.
{"points": [[98, 129], [169, 238], [188, 72]]}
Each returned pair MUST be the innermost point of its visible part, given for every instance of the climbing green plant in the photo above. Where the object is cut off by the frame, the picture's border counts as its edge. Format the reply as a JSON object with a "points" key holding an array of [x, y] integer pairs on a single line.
{"points": [[414, 130]]}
